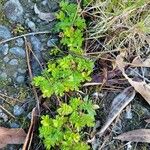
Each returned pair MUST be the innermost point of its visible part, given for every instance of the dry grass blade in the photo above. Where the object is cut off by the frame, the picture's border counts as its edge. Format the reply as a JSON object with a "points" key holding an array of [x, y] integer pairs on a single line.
{"points": [[119, 103], [140, 135], [30, 133], [11, 136]]}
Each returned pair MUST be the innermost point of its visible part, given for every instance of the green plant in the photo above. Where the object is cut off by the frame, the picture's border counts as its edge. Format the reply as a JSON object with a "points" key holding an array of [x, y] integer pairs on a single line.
{"points": [[65, 130], [67, 73], [64, 75], [71, 25]]}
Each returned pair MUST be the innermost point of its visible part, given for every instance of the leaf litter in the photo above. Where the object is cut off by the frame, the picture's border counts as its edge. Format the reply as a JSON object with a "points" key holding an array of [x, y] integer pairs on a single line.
{"points": [[125, 97], [140, 135], [140, 86], [118, 104], [11, 136]]}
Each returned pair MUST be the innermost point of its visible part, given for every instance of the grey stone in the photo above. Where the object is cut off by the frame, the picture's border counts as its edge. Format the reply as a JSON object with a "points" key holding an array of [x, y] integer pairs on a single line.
{"points": [[14, 125], [26, 15], [37, 45], [21, 70], [29, 115], [18, 51], [44, 2], [4, 49], [3, 116], [53, 5], [6, 59], [3, 75], [20, 79], [52, 42], [13, 10], [15, 74], [4, 32], [17, 111], [31, 25], [13, 62], [19, 42]]}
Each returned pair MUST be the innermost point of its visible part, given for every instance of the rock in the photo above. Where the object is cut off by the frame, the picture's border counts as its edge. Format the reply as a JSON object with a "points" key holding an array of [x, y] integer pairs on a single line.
{"points": [[15, 74], [13, 62], [53, 5], [3, 116], [14, 125], [29, 115], [18, 51], [52, 42], [17, 111], [14, 10], [21, 70], [44, 2], [4, 32], [20, 79], [4, 49], [19, 42], [31, 25], [37, 47], [6, 59], [3, 75]]}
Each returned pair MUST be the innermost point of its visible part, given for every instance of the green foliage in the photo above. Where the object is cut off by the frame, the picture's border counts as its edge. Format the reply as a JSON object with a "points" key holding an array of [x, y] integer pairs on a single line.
{"points": [[67, 73], [72, 25], [64, 75], [64, 131]]}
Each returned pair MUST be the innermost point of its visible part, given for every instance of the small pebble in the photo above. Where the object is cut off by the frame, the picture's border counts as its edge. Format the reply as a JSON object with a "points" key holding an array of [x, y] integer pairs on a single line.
{"points": [[20, 79], [3, 116], [21, 70], [44, 2], [4, 32], [17, 111], [14, 10], [14, 125], [128, 114], [4, 49], [6, 59], [19, 42], [13, 62], [29, 115], [18, 51], [15, 75], [3, 75], [31, 25]]}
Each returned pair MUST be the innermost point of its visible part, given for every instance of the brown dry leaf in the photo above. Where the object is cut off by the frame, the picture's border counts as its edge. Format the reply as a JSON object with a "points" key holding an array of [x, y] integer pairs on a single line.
{"points": [[11, 136], [140, 63], [118, 104], [44, 16], [141, 87], [140, 135]]}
